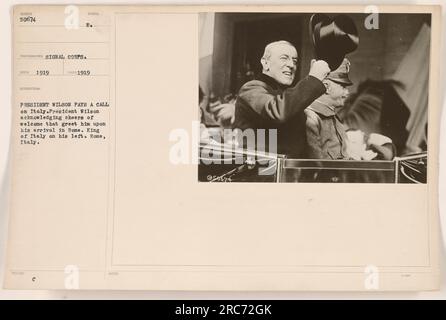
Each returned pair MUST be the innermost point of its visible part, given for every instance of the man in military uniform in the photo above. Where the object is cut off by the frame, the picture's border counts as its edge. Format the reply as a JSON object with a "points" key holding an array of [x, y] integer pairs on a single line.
{"points": [[326, 135], [271, 102]]}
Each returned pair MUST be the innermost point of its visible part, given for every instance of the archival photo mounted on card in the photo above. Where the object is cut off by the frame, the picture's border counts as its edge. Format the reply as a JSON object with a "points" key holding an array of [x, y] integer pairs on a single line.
{"points": [[224, 148]]}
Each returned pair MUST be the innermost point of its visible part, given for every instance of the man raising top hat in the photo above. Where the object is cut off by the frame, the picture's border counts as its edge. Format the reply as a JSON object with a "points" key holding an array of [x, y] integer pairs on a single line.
{"points": [[271, 102]]}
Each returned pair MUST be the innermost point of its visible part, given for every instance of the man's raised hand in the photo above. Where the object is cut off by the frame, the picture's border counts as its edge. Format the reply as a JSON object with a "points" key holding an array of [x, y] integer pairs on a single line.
{"points": [[319, 69]]}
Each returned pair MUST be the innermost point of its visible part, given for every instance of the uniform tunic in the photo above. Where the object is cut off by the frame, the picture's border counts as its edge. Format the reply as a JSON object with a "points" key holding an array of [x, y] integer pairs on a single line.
{"points": [[326, 135]]}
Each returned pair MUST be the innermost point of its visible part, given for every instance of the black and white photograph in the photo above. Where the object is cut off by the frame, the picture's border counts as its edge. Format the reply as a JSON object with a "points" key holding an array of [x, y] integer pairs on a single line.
{"points": [[325, 120], [314, 97]]}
